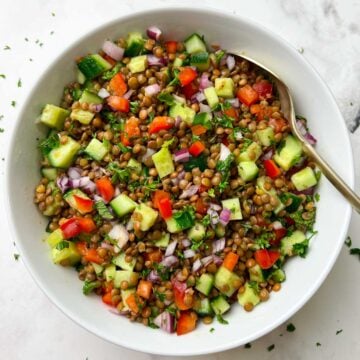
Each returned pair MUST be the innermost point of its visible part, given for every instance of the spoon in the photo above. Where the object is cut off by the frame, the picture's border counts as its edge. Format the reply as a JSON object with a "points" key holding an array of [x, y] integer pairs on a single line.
{"points": [[287, 108]]}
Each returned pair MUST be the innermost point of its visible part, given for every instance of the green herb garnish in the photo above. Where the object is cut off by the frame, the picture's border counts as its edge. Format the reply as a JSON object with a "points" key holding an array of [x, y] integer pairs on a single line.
{"points": [[185, 218], [339, 331], [134, 106], [90, 286], [166, 98], [50, 143], [62, 245], [271, 347], [247, 346], [108, 75], [221, 320], [290, 327], [119, 175], [348, 242], [19, 83], [16, 257], [355, 251], [103, 211]]}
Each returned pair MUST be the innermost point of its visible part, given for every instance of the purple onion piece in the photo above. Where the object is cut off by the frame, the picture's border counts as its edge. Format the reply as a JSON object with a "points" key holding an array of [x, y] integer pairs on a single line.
{"points": [[89, 188], [113, 50], [196, 265], [217, 260], [63, 183], [214, 207], [103, 93], [155, 61], [74, 183], [269, 154], [205, 108], [198, 97], [204, 82], [205, 261], [106, 245], [218, 245], [234, 102], [154, 277], [98, 108], [189, 253], [169, 261], [165, 321], [171, 248], [186, 243], [225, 216], [128, 94], [182, 155], [224, 152], [277, 225], [178, 120], [308, 191], [230, 62], [74, 173], [189, 192], [153, 32], [152, 90]]}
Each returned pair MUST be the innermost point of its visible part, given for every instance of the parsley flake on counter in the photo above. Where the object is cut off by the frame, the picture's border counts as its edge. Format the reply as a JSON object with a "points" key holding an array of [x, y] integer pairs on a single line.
{"points": [[1, 117], [271, 347], [16, 257], [355, 251], [3, 76], [2, 130], [247, 346], [19, 83], [348, 241], [53, 14], [339, 331], [290, 327], [13, 103], [318, 344], [212, 330], [7, 47], [221, 320]]}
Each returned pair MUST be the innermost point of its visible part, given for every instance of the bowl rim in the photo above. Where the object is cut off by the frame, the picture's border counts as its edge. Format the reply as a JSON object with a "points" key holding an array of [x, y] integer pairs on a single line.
{"points": [[87, 325]]}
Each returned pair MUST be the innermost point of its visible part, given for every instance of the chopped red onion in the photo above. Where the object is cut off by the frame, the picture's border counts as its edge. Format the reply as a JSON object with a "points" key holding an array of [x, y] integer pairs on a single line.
{"points": [[230, 62], [178, 120], [153, 32], [128, 94], [106, 245], [224, 152], [97, 197], [277, 225], [152, 90], [165, 321], [189, 192], [186, 243], [63, 183], [217, 260], [310, 139], [304, 131], [199, 97], [171, 248], [234, 102], [205, 108], [89, 187], [98, 108], [189, 253], [154, 277], [83, 181], [308, 191], [205, 261], [155, 61], [225, 216], [120, 234], [113, 50], [169, 261], [103, 93], [74, 183], [196, 265], [74, 173], [214, 216], [182, 155], [181, 175], [149, 152], [204, 82], [269, 154], [117, 191], [130, 225], [218, 245]]}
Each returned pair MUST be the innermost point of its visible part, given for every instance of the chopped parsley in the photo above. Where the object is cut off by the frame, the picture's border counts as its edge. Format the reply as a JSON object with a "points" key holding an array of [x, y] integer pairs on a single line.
{"points": [[16, 257], [221, 320], [317, 197], [219, 55], [108, 75], [175, 80], [355, 251], [318, 344], [51, 142], [254, 285], [124, 149], [301, 248], [13, 103], [52, 14], [163, 271], [211, 192], [90, 286], [290, 327], [145, 272], [166, 98], [7, 47], [3, 76], [160, 296], [223, 121], [134, 106], [62, 245], [262, 241], [224, 167], [247, 346], [206, 220], [119, 175], [212, 330], [339, 331], [151, 323], [348, 241], [185, 218], [2, 130], [301, 223], [271, 347], [103, 211]]}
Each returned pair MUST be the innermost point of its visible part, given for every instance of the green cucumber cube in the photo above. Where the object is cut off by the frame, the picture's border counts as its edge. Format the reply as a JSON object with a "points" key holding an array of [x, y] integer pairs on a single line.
{"points": [[124, 275], [186, 113], [205, 283], [226, 281], [123, 205], [54, 116], [211, 96], [200, 60], [288, 153], [135, 166], [194, 44], [224, 87], [248, 170], [55, 237], [83, 116], [163, 242], [220, 305], [250, 295], [110, 272], [197, 232], [98, 268], [256, 274], [90, 98], [204, 308], [68, 256], [304, 179], [251, 153], [49, 173], [172, 226], [177, 62], [234, 206], [97, 149], [266, 136], [147, 215], [138, 64], [288, 242], [278, 275], [135, 44], [120, 261], [63, 156], [163, 162], [93, 65]]}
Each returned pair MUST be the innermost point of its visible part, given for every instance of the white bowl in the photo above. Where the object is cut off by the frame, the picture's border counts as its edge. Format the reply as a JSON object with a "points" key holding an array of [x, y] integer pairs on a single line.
{"points": [[313, 100]]}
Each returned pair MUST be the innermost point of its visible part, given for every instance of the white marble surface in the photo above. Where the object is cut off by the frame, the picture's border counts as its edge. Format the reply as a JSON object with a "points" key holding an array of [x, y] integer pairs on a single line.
{"points": [[328, 31]]}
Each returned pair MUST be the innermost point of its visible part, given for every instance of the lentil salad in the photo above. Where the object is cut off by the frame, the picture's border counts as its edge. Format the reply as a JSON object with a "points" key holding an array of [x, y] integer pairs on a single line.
{"points": [[172, 182]]}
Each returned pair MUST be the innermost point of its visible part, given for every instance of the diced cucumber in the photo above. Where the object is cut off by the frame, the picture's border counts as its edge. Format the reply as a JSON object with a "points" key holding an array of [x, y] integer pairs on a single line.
{"points": [[226, 281], [291, 201], [120, 261], [125, 275], [147, 215], [211, 96], [200, 60], [82, 116], [234, 206], [256, 274], [71, 200], [138, 64], [203, 118], [278, 275], [251, 153], [90, 98], [204, 308], [220, 230], [250, 295], [93, 65], [186, 113], [135, 166], [135, 44], [55, 237], [220, 305], [163, 162], [124, 295], [54, 116], [67, 256], [172, 226], [63, 156], [163, 242], [288, 242], [194, 44], [49, 173], [304, 179], [53, 208], [80, 77], [197, 232], [178, 62], [98, 268], [97, 149], [224, 87], [266, 136], [205, 283], [123, 205], [288, 152], [272, 192], [109, 272], [248, 170]]}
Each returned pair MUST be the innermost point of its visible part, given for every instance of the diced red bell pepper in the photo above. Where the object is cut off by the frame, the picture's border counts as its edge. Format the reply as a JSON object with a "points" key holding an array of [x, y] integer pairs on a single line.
{"points": [[144, 289], [266, 258], [186, 322], [117, 85], [131, 130], [200, 206], [160, 123], [119, 103], [203, 188], [165, 208], [159, 195], [105, 188], [247, 95], [179, 289], [230, 260], [190, 90], [277, 124], [90, 255], [187, 75], [87, 225], [232, 112], [198, 129], [271, 169], [70, 228], [154, 256], [107, 299], [196, 148], [279, 234], [132, 302], [171, 47], [83, 205], [264, 89]]}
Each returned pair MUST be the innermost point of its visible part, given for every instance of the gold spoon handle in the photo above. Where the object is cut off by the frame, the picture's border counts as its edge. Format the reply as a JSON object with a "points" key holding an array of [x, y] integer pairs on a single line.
{"points": [[333, 177]]}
